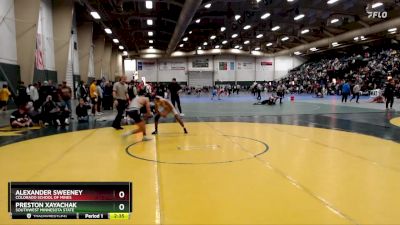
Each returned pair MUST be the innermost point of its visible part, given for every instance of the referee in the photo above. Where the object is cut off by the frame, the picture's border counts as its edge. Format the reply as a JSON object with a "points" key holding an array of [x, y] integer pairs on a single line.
{"points": [[120, 94]]}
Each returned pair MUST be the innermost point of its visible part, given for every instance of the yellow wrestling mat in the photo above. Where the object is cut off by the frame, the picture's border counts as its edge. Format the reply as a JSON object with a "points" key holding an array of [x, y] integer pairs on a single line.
{"points": [[222, 173], [395, 121]]}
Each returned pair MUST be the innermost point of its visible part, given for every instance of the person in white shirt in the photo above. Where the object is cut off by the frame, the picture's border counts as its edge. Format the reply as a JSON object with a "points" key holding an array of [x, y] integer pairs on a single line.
{"points": [[34, 95]]}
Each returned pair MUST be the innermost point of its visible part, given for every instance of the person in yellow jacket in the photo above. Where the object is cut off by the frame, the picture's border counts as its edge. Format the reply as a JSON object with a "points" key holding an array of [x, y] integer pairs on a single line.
{"points": [[4, 97], [93, 97]]}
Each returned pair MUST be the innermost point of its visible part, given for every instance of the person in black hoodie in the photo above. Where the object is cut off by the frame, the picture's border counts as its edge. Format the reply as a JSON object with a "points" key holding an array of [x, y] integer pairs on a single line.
{"points": [[22, 95], [389, 94], [82, 111]]}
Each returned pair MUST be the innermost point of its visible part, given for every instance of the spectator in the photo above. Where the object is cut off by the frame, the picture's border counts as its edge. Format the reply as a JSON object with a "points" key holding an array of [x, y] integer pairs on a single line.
{"points": [[4, 97], [82, 111], [19, 118], [66, 94], [93, 97], [34, 96], [22, 96], [99, 95], [107, 96], [50, 112]]}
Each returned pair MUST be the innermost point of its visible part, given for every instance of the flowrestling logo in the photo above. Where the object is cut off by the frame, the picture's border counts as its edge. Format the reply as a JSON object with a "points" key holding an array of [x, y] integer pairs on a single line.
{"points": [[379, 15], [376, 10]]}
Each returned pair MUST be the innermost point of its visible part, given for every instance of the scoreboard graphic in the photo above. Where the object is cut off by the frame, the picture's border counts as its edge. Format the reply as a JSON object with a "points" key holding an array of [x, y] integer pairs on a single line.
{"points": [[70, 200]]}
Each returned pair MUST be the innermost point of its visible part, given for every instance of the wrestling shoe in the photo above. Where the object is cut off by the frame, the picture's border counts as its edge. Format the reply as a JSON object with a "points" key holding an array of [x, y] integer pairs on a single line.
{"points": [[154, 132], [185, 131], [146, 138]]}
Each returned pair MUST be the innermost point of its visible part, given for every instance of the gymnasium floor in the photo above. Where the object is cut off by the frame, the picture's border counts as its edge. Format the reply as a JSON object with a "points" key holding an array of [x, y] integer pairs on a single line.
{"points": [[310, 161]]}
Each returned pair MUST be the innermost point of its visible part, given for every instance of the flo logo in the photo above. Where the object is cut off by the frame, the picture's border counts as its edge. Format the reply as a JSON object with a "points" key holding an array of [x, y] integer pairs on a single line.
{"points": [[379, 15], [376, 10]]}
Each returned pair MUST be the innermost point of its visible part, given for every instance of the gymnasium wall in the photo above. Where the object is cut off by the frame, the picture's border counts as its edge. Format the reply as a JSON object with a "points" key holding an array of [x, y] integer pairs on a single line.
{"points": [[225, 67], [9, 68]]}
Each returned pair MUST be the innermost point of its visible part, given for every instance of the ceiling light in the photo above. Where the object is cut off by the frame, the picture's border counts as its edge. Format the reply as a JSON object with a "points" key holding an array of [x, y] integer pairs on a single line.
{"points": [[285, 38], [332, 1], [108, 31], [185, 39], [181, 45], [314, 49], [198, 20], [151, 41], [275, 28], [363, 38], [265, 16], [150, 22], [217, 46], [150, 33], [246, 42], [115, 41], [125, 53], [234, 35], [356, 38], [149, 4], [95, 15], [207, 6], [240, 47], [223, 29], [190, 32], [205, 43], [305, 31], [257, 49], [290, 0], [393, 32], [121, 47], [247, 27], [297, 53], [258, 1], [224, 42], [376, 5], [237, 17], [392, 29], [269, 44], [213, 37], [199, 48], [334, 20], [151, 47], [299, 17], [237, 46], [260, 36]]}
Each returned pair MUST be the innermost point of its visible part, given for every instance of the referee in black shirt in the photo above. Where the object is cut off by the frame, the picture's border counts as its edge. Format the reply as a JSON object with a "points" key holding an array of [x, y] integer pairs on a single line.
{"points": [[174, 89]]}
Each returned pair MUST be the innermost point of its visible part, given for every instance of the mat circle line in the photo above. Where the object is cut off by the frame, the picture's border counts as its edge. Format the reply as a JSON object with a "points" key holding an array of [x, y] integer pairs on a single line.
{"points": [[200, 163]]}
